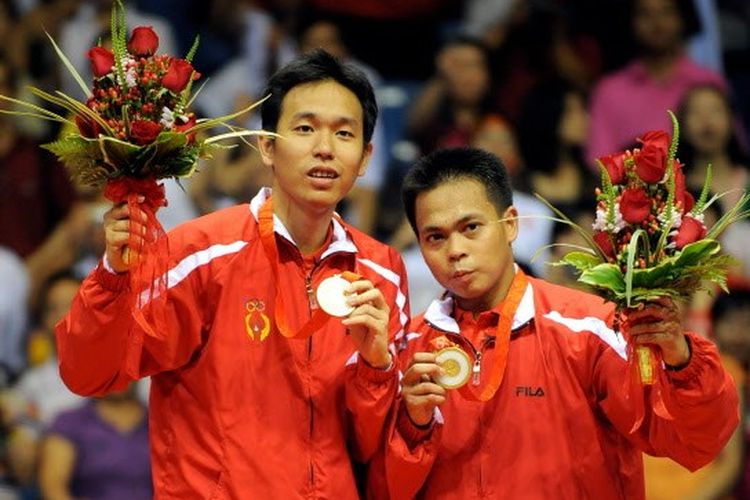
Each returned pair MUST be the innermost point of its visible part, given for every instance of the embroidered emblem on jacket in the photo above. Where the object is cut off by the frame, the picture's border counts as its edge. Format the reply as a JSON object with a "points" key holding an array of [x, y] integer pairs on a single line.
{"points": [[257, 324]]}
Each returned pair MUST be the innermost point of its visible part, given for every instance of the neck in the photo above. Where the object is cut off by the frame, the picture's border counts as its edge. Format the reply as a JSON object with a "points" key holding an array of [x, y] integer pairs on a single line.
{"points": [[307, 227], [661, 65]]}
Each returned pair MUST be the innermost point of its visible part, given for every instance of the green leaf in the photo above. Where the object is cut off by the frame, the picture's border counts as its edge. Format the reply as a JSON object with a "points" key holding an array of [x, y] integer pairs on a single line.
{"points": [[693, 253], [632, 255], [581, 260], [66, 62], [117, 153], [604, 276]]}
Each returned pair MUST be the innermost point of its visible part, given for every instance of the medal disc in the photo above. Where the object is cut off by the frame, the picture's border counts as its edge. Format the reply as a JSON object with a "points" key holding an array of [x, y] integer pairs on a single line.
{"points": [[457, 366], [331, 297]]}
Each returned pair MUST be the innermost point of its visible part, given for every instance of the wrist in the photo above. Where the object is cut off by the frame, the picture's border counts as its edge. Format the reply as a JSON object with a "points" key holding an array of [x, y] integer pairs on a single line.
{"points": [[381, 362]]}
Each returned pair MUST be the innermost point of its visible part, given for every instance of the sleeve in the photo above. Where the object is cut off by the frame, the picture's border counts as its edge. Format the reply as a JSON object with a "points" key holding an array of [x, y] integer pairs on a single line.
{"points": [[370, 392], [101, 348], [704, 407], [405, 459]]}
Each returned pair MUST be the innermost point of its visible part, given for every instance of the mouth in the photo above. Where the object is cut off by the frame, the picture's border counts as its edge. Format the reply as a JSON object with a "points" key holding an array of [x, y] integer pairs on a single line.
{"points": [[461, 273], [322, 173]]}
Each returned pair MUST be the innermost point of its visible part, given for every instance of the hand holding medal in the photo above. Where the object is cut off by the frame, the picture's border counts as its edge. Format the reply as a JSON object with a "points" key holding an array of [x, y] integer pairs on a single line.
{"points": [[364, 311], [455, 364]]}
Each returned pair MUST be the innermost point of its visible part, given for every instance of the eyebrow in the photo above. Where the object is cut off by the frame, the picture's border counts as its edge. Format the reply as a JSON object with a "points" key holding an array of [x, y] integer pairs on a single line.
{"points": [[309, 115], [463, 220]]}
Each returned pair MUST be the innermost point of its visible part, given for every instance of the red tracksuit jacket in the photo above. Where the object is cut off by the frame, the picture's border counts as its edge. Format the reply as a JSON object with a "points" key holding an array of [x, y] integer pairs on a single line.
{"points": [[236, 409], [559, 425]]}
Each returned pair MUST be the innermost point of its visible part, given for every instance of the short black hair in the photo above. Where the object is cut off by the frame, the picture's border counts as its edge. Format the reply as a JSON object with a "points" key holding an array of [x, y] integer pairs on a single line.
{"points": [[691, 22], [446, 165], [317, 66]]}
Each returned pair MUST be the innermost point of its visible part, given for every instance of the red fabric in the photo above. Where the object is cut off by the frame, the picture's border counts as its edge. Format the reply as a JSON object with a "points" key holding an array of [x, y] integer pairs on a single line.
{"points": [[560, 425], [230, 414], [148, 276]]}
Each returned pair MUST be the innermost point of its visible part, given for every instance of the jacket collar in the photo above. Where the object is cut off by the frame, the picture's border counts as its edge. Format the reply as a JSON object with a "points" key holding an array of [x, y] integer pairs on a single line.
{"points": [[440, 312], [341, 240]]}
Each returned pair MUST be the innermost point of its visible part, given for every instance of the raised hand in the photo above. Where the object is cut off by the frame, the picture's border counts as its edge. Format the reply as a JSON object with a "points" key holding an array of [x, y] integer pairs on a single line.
{"points": [[368, 323], [420, 394]]}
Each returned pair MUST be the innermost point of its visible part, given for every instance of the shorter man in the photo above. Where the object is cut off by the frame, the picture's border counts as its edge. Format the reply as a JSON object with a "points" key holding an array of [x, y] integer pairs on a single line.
{"points": [[545, 413]]}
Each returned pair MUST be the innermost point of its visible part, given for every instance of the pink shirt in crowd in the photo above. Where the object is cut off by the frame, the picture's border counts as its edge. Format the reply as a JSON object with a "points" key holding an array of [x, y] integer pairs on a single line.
{"points": [[629, 102]]}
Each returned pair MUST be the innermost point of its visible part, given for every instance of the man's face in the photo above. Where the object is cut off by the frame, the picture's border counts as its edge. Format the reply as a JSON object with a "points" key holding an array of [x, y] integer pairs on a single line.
{"points": [[465, 246], [321, 151]]}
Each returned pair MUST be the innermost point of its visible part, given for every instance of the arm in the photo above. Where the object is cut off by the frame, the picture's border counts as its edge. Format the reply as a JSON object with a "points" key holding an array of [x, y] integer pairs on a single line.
{"points": [[100, 347], [56, 467], [704, 398], [372, 382]]}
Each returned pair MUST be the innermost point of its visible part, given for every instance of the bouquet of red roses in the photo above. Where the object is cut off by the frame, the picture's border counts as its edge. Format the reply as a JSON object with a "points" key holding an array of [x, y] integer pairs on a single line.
{"points": [[650, 238], [133, 129]]}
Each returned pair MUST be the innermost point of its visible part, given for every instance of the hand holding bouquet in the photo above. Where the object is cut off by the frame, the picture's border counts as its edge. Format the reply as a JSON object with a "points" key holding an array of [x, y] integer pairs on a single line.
{"points": [[650, 243], [133, 129]]}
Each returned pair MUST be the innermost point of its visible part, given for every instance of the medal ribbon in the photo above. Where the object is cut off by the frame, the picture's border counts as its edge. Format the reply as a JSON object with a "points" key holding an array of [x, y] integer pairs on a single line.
{"points": [[508, 309], [268, 239]]}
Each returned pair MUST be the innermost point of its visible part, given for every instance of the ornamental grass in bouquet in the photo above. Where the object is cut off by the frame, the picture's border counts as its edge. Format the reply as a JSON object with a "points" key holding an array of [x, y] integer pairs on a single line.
{"points": [[650, 240], [133, 129]]}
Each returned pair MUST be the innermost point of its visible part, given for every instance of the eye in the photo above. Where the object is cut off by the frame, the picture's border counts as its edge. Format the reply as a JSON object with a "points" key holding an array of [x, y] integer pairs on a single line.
{"points": [[471, 227], [303, 128], [345, 133], [433, 238]]}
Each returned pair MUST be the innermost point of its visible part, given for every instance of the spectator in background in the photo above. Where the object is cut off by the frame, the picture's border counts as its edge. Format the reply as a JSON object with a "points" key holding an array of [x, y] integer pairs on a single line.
{"points": [[636, 98], [13, 311], [552, 131], [34, 190], [40, 395], [709, 138], [98, 452]]}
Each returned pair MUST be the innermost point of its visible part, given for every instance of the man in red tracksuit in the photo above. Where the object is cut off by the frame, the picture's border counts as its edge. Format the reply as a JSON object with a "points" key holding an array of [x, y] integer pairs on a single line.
{"points": [[238, 409], [560, 424]]}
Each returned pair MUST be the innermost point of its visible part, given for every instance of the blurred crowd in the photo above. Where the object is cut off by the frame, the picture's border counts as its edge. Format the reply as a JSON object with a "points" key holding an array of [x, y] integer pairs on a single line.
{"points": [[547, 85]]}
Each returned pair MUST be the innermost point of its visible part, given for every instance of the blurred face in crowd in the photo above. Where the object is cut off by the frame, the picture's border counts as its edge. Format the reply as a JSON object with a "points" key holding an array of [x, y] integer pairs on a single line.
{"points": [[59, 298], [323, 35], [707, 122], [657, 25], [464, 245], [321, 150], [573, 128], [465, 71], [731, 334]]}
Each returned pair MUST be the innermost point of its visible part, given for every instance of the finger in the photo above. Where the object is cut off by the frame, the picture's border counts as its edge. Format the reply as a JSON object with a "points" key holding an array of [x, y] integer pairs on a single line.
{"points": [[653, 338], [370, 295], [414, 374], [368, 310], [423, 357], [424, 389], [428, 400]]}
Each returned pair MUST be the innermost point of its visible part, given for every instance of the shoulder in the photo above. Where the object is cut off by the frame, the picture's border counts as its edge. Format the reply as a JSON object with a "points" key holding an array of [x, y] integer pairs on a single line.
{"points": [[375, 254], [226, 229]]}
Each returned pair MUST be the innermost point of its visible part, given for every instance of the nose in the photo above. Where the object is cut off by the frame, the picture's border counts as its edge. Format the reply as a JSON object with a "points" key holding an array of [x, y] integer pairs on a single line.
{"points": [[455, 248], [323, 146]]}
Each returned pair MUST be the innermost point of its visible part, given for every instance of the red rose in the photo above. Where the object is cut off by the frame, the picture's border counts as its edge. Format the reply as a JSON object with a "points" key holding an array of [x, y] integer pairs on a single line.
{"points": [[605, 243], [651, 160], [635, 205], [178, 75], [102, 61], [691, 230], [144, 131], [186, 126], [143, 42], [681, 194], [88, 128], [615, 165]]}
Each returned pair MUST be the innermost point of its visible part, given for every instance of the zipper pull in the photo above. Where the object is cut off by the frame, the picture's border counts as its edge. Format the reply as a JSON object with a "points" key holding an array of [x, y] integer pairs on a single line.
{"points": [[476, 371], [310, 293]]}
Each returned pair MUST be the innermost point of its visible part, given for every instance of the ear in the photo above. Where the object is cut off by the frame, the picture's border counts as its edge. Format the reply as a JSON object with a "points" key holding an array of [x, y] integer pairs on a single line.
{"points": [[510, 222], [366, 155], [266, 146]]}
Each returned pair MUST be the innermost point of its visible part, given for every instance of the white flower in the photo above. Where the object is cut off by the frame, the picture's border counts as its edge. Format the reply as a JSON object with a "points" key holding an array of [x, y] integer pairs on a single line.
{"points": [[602, 222], [676, 219], [167, 118]]}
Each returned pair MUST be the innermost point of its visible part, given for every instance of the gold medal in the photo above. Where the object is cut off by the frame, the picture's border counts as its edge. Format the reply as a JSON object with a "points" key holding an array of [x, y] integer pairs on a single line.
{"points": [[457, 367]]}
